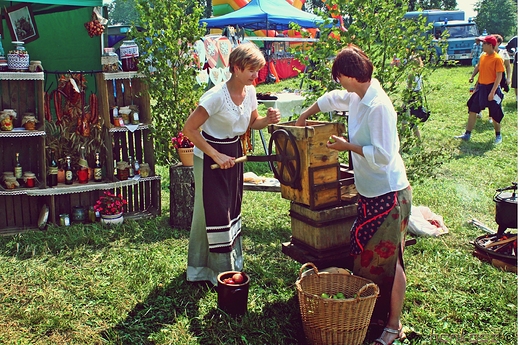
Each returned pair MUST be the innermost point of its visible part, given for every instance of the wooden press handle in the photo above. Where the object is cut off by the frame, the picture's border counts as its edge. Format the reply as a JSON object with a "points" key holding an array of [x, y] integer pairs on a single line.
{"points": [[238, 160]]}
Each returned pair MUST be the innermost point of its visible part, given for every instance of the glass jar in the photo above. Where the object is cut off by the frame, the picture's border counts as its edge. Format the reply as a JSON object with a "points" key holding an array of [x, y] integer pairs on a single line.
{"points": [[11, 182], [29, 121], [29, 178], [122, 170], [109, 60], [144, 170], [35, 66], [129, 55], [64, 219], [124, 112], [18, 58], [6, 121], [78, 214]]}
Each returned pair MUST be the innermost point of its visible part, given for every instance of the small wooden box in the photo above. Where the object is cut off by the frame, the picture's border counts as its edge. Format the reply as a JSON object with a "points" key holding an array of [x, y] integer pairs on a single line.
{"points": [[322, 231], [318, 185]]}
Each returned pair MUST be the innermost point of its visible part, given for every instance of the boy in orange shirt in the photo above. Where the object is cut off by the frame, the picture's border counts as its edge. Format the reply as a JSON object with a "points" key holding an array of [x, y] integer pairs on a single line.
{"points": [[487, 93]]}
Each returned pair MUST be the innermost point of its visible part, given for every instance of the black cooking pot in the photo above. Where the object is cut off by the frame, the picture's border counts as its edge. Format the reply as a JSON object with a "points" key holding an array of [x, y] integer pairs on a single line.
{"points": [[506, 207]]}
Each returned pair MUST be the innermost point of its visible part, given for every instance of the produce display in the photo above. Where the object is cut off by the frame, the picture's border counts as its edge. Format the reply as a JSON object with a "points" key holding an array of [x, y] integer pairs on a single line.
{"points": [[339, 295]]}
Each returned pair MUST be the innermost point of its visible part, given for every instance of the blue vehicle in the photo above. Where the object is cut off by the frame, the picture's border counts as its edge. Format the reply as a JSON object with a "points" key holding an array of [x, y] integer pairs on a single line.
{"points": [[461, 33]]}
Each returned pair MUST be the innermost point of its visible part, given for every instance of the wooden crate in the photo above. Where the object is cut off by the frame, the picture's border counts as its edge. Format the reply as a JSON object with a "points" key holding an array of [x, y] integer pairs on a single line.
{"points": [[322, 231], [143, 198], [318, 185], [18, 212]]}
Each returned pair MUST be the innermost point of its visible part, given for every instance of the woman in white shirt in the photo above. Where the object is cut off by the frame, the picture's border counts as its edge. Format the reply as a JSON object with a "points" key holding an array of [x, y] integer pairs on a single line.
{"points": [[224, 113], [384, 205]]}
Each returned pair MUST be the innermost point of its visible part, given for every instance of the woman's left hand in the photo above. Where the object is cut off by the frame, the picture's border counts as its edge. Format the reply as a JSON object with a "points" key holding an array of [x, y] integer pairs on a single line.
{"points": [[273, 115], [339, 143]]}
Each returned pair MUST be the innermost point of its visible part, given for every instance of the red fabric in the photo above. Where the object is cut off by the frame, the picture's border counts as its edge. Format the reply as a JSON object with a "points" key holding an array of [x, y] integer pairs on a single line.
{"points": [[284, 68]]}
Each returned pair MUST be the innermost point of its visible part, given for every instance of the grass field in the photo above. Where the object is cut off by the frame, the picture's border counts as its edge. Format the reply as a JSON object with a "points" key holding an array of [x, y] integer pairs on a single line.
{"points": [[85, 284]]}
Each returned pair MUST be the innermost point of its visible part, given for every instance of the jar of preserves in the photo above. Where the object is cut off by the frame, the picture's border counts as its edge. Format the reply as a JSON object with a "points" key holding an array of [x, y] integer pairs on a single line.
{"points": [[122, 170], [144, 169], [109, 60], [11, 182], [129, 55], [7, 120], [18, 58], [64, 219], [124, 112], [29, 121], [35, 66], [29, 178]]}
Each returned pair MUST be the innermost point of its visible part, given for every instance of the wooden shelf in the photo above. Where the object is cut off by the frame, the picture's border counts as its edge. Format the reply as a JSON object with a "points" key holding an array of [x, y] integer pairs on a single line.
{"points": [[22, 76]]}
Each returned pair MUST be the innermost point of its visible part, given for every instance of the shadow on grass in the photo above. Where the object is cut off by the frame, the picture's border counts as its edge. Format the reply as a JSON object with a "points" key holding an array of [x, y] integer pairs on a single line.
{"points": [[276, 323], [56, 239]]}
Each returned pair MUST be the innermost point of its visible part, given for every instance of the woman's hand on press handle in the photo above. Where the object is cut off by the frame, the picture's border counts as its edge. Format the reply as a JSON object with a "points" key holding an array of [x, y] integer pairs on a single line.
{"points": [[224, 161]]}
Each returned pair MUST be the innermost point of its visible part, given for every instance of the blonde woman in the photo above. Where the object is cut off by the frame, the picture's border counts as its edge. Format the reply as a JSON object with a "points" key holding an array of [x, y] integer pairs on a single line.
{"points": [[225, 112]]}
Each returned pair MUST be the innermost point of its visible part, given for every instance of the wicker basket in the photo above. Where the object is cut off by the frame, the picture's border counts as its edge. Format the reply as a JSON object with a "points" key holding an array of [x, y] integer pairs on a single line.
{"points": [[328, 321]]}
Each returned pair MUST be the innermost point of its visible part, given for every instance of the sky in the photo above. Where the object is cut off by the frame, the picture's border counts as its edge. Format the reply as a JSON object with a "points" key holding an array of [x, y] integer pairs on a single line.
{"points": [[467, 6]]}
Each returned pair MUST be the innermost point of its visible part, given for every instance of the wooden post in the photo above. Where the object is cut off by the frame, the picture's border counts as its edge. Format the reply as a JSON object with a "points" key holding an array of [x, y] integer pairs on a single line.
{"points": [[182, 194]]}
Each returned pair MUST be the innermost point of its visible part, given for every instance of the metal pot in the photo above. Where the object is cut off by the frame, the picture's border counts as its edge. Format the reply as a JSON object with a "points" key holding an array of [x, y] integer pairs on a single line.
{"points": [[506, 207]]}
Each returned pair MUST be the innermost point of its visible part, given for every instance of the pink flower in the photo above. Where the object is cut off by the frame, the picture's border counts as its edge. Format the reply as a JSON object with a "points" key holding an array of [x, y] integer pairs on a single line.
{"points": [[181, 141], [110, 203]]}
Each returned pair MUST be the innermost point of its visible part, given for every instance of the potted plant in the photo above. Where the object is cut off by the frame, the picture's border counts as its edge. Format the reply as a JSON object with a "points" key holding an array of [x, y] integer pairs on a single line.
{"points": [[184, 148], [110, 206]]}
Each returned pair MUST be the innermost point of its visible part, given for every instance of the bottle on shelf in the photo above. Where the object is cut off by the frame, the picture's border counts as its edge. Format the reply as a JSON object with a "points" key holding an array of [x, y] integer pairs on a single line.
{"points": [[131, 167], [52, 171], [98, 172], [83, 166], [18, 167], [68, 172], [136, 167]]}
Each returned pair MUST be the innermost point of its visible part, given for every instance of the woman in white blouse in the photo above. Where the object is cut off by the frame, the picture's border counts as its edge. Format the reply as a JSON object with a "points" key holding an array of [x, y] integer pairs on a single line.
{"points": [[385, 198], [223, 114]]}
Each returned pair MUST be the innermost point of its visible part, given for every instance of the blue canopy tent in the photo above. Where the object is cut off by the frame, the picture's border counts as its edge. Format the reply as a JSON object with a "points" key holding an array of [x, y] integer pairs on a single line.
{"points": [[265, 15]]}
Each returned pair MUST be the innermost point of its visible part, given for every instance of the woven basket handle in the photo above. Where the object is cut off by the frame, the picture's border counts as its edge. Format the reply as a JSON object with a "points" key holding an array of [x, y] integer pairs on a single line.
{"points": [[365, 288], [306, 265]]}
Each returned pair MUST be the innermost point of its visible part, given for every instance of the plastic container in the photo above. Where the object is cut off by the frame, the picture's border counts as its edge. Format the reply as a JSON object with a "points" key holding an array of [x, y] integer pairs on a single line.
{"points": [[232, 298]]}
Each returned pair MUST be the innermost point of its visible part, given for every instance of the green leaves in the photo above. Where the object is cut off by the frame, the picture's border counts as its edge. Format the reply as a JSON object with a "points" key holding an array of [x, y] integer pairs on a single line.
{"points": [[171, 27]]}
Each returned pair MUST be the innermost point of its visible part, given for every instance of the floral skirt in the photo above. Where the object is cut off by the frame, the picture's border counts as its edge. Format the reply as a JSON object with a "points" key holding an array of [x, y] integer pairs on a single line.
{"points": [[378, 259]]}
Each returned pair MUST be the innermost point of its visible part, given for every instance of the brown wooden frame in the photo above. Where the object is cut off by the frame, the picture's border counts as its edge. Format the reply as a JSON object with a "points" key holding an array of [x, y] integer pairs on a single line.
{"points": [[13, 15]]}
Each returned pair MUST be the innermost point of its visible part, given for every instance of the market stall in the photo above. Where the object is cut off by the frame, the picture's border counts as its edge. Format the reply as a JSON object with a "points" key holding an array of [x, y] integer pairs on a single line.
{"points": [[55, 77]]}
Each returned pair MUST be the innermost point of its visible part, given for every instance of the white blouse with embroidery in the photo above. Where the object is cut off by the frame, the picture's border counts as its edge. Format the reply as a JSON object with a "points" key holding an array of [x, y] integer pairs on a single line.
{"points": [[226, 119]]}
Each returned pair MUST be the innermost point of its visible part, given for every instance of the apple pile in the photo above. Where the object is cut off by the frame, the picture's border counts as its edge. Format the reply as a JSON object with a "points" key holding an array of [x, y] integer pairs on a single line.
{"points": [[237, 278], [339, 295]]}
